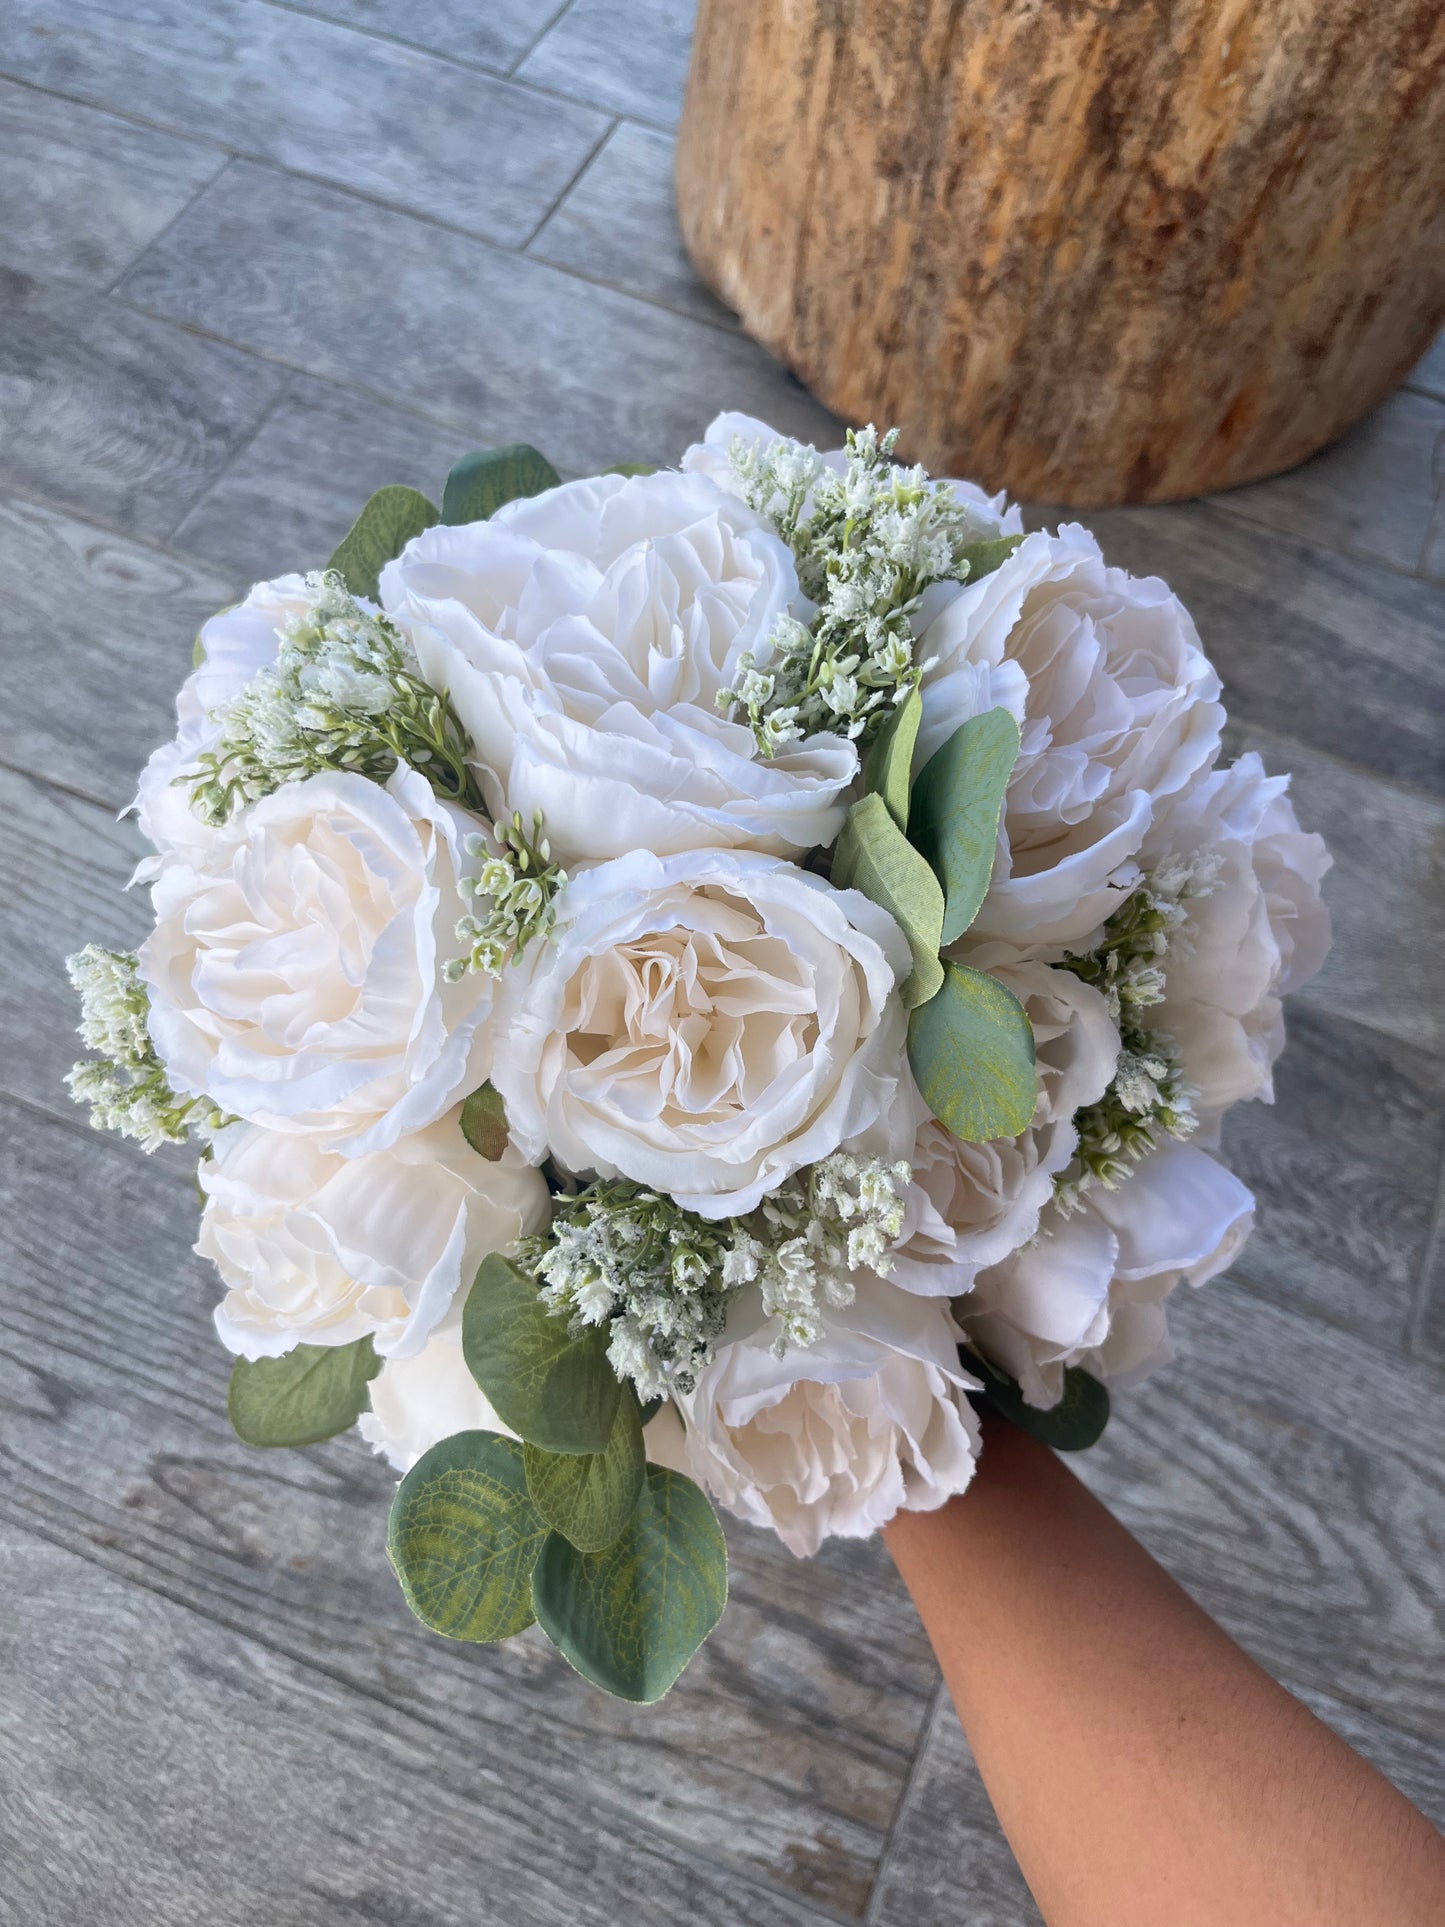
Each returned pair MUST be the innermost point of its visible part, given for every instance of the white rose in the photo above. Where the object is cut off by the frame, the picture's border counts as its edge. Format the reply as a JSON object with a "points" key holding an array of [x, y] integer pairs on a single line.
{"points": [[584, 636], [972, 1204], [706, 1024], [317, 1249], [236, 643], [1090, 1288], [831, 1441], [1121, 711], [296, 968], [1258, 931]]}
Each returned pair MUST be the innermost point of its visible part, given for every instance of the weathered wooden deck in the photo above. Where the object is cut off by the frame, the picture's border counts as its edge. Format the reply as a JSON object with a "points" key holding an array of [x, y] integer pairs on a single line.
{"points": [[257, 259]]}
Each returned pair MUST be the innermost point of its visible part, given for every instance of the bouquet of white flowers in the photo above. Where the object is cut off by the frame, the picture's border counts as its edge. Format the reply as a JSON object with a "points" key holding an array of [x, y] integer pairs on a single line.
{"points": [[688, 983]]}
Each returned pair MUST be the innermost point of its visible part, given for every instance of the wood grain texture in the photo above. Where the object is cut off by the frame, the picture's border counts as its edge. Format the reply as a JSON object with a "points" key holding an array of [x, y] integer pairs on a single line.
{"points": [[619, 225], [444, 324], [386, 120], [1090, 254], [81, 193], [96, 631], [811, 1695], [629, 56]]}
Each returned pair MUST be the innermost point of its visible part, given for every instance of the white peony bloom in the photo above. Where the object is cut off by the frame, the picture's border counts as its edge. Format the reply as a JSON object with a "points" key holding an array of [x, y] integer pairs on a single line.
{"points": [[296, 968], [1121, 712], [317, 1249], [1090, 1289], [706, 1024], [831, 1441], [1256, 931], [584, 635], [973, 1204], [237, 643], [992, 514]]}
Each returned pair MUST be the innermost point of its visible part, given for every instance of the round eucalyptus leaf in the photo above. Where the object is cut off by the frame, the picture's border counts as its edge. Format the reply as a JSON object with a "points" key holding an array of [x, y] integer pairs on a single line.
{"points": [[310, 1394], [481, 482], [464, 1537], [972, 1052], [631, 1617], [589, 1496], [874, 856], [1073, 1425], [553, 1390], [379, 534], [888, 766], [953, 817], [484, 1123]]}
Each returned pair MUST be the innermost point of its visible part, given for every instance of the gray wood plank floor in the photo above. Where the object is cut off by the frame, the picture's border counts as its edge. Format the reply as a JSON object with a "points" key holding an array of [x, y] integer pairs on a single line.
{"points": [[257, 258]]}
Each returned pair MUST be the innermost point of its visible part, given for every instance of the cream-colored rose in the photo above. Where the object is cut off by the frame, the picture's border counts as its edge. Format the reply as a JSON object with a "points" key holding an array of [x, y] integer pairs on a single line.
{"points": [[972, 1204], [296, 970], [1090, 1289], [831, 1441], [317, 1249], [1256, 931], [584, 636], [419, 1400], [706, 1024], [1121, 712]]}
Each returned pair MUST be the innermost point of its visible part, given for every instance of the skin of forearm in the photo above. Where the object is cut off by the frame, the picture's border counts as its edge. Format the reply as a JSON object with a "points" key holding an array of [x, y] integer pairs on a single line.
{"points": [[1146, 1772]]}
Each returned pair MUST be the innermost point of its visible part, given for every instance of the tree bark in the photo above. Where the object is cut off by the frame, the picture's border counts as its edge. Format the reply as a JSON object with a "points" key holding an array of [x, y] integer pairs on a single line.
{"points": [[1093, 251]]}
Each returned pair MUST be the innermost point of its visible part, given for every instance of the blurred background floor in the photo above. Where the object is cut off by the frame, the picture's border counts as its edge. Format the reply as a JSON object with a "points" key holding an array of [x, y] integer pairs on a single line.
{"points": [[255, 260]]}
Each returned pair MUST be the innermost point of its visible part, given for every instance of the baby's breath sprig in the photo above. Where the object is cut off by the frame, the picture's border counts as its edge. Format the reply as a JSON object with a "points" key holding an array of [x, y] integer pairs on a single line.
{"points": [[124, 1083], [661, 1277], [519, 884], [344, 693], [867, 543], [1150, 1095]]}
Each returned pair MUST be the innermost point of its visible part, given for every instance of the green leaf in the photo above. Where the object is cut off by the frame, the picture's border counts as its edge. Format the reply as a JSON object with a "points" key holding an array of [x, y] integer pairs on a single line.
{"points": [[464, 1537], [310, 1394], [629, 469], [484, 1123], [956, 804], [972, 1052], [390, 520], [589, 1496], [984, 557], [481, 482], [888, 767], [554, 1391], [198, 653], [1073, 1425], [874, 856], [630, 1618]]}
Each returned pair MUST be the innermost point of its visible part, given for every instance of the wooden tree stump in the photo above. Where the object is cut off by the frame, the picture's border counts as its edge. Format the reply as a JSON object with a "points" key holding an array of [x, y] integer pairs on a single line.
{"points": [[1094, 253]]}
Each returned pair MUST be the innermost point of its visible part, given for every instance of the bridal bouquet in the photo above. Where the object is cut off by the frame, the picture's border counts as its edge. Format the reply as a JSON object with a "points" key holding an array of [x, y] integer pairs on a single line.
{"points": [[687, 984]]}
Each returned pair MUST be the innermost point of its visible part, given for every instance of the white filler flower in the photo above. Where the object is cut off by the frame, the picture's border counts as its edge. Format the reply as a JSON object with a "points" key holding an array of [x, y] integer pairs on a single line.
{"points": [[583, 636], [706, 1024], [1121, 712], [317, 1249], [831, 1441], [297, 968]]}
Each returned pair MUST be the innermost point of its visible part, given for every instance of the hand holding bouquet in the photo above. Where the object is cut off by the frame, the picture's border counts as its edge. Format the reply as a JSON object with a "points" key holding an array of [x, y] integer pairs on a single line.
{"points": [[687, 982]]}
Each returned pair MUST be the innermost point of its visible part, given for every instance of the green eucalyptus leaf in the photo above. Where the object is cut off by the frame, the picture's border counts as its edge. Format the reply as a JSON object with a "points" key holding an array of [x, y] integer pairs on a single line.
{"points": [[972, 1052], [956, 805], [311, 1393], [629, 469], [484, 1123], [464, 1537], [390, 520], [874, 856], [984, 557], [481, 482], [888, 766], [1073, 1425], [631, 1617], [198, 652], [589, 1496], [552, 1390]]}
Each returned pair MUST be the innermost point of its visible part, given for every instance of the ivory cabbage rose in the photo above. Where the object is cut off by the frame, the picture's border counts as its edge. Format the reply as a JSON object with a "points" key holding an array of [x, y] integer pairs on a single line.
{"points": [[1121, 712], [706, 1024], [584, 635], [972, 1204], [423, 1398], [1090, 1289], [831, 1441], [317, 1249], [1257, 930], [295, 972]]}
